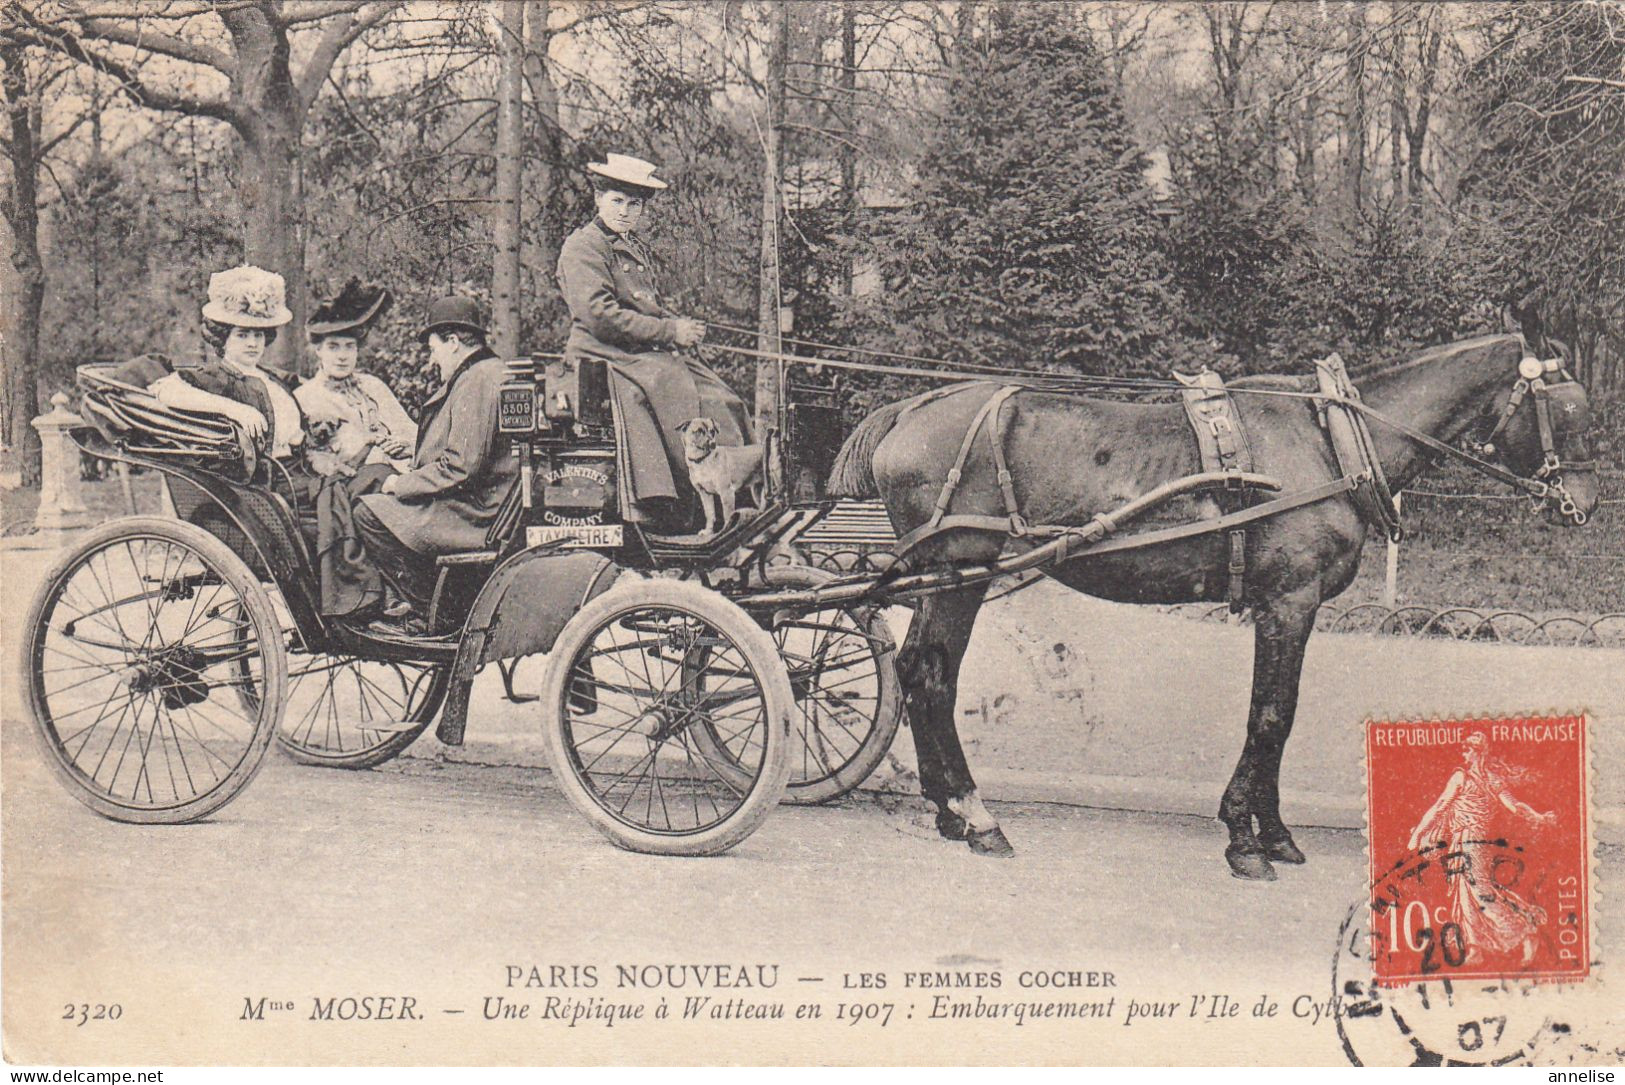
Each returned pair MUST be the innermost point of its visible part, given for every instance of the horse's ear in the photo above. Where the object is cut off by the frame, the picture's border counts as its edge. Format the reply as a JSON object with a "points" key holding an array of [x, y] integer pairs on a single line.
{"points": [[682, 426], [1509, 320]]}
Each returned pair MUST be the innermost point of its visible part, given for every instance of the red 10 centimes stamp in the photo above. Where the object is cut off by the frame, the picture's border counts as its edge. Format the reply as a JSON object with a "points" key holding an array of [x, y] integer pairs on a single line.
{"points": [[1480, 849]]}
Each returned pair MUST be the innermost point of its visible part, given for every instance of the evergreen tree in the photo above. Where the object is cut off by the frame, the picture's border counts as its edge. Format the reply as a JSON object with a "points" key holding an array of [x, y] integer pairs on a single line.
{"points": [[1029, 240]]}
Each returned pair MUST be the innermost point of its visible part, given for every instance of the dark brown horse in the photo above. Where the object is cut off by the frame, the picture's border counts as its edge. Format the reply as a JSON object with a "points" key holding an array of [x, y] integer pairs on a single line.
{"points": [[1073, 457]]}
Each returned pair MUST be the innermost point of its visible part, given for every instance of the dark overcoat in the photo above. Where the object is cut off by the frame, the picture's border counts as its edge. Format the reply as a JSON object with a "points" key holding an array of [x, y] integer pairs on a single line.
{"points": [[462, 469], [616, 314]]}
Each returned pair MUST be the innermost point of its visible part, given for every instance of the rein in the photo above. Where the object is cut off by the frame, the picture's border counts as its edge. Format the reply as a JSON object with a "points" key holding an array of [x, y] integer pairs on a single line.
{"points": [[1547, 485]]}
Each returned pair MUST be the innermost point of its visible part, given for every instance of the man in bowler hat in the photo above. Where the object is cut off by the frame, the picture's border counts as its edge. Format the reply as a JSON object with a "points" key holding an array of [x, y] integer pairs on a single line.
{"points": [[461, 471]]}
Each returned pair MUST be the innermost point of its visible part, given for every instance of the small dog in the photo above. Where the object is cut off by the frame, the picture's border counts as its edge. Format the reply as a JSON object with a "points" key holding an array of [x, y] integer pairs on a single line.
{"points": [[717, 470]]}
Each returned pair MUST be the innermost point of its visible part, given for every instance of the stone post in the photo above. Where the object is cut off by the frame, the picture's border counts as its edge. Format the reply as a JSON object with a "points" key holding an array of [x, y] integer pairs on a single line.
{"points": [[61, 501]]}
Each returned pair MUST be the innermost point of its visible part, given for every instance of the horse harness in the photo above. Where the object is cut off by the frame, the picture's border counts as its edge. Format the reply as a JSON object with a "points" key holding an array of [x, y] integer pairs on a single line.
{"points": [[1547, 380], [1222, 445], [1227, 467]]}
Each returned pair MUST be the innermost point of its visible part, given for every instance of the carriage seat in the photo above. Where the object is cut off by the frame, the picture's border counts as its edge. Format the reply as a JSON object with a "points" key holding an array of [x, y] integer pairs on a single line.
{"points": [[133, 418]]}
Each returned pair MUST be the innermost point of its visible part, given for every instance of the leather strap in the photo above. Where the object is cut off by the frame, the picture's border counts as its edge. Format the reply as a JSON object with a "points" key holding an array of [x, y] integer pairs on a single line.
{"points": [[1007, 486], [955, 473], [1263, 510]]}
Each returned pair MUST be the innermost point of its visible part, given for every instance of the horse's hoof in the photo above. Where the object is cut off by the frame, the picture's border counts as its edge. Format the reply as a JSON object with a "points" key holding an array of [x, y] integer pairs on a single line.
{"points": [[991, 842], [1251, 865], [1283, 851], [951, 826]]}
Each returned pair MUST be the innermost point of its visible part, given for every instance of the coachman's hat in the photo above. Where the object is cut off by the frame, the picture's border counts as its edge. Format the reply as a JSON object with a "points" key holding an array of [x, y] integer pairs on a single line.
{"points": [[626, 170], [352, 312], [453, 313], [247, 297]]}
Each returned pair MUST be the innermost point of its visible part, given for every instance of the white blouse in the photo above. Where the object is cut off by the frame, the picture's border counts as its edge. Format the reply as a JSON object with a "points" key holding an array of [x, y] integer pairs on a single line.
{"points": [[364, 409]]}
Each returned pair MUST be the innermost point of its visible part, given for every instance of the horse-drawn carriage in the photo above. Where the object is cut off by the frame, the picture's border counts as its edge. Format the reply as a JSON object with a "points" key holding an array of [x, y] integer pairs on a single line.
{"points": [[691, 682], [164, 655]]}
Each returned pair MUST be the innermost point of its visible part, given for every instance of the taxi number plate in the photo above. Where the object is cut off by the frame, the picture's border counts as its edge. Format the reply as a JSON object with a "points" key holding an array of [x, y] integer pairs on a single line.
{"points": [[591, 535]]}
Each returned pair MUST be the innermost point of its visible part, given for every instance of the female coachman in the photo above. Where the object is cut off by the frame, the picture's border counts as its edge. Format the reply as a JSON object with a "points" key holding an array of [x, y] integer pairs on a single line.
{"points": [[616, 314]]}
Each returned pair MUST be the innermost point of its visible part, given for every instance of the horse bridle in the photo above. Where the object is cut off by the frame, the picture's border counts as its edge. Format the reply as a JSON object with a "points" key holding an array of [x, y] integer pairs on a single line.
{"points": [[1538, 378]]}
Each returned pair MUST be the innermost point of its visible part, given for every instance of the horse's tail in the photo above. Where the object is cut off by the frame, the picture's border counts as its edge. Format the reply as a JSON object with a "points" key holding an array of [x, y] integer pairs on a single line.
{"points": [[853, 474]]}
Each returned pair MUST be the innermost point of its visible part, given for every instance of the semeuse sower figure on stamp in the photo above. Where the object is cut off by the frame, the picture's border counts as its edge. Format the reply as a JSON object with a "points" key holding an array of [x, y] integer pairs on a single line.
{"points": [[1492, 917]]}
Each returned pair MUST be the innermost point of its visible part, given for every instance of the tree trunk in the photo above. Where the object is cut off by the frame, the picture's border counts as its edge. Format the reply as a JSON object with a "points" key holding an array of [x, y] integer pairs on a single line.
{"points": [[22, 310], [1307, 136], [271, 212], [767, 298], [542, 254], [1416, 132], [849, 105], [509, 172], [1355, 109]]}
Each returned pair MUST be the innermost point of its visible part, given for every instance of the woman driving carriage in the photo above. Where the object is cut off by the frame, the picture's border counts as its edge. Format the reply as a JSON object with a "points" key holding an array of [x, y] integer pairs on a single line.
{"points": [[605, 273]]}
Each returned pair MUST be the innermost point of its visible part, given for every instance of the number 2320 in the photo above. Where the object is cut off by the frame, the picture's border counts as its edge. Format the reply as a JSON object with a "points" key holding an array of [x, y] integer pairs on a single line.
{"points": [[84, 1012]]}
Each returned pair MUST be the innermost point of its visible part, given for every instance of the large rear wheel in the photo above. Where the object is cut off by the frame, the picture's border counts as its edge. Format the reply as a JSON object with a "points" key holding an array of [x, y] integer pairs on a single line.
{"points": [[631, 681], [156, 671]]}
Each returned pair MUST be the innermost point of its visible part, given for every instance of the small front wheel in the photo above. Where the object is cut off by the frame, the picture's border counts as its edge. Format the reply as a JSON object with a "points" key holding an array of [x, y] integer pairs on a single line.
{"points": [[156, 672], [630, 682]]}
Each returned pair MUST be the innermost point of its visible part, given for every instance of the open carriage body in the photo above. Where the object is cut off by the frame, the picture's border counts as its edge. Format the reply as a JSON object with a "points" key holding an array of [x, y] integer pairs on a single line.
{"points": [[165, 655]]}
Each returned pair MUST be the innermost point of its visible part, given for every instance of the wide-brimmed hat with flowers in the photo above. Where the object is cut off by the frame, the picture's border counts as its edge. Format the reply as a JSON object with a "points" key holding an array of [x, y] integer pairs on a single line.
{"points": [[625, 170], [247, 297]]}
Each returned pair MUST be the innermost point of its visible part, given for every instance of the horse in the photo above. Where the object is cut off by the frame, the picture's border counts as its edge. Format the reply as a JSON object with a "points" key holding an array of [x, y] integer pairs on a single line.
{"points": [[1070, 458]]}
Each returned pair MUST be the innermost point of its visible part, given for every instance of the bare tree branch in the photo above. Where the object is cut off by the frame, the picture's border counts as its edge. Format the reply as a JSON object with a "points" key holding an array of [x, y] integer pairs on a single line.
{"points": [[64, 42], [152, 41], [335, 39], [1618, 84], [315, 12]]}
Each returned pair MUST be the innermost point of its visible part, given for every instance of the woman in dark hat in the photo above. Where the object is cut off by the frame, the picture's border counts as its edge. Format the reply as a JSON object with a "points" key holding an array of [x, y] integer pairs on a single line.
{"points": [[605, 273], [357, 420], [361, 416]]}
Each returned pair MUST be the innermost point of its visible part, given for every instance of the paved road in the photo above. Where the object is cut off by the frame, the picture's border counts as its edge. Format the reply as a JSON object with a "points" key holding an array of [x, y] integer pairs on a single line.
{"points": [[436, 881]]}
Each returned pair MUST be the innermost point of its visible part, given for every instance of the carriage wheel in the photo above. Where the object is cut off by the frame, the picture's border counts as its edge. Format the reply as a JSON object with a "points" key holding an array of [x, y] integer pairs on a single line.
{"points": [[156, 671], [350, 713], [630, 680], [842, 663]]}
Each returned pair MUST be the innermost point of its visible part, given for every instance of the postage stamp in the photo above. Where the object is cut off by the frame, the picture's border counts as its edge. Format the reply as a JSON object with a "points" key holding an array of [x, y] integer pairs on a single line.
{"points": [[1480, 849]]}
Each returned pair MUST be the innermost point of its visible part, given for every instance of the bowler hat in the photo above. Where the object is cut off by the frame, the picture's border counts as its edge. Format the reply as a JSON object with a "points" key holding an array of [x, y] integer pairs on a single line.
{"points": [[351, 312], [453, 313]]}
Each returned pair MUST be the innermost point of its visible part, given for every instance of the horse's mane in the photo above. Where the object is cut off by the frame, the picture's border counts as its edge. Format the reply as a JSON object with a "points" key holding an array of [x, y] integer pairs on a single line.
{"points": [[1431, 354]]}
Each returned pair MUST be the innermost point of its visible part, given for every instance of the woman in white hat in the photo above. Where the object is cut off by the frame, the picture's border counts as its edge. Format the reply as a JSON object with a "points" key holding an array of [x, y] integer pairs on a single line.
{"points": [[616, 314], [246, 306]]}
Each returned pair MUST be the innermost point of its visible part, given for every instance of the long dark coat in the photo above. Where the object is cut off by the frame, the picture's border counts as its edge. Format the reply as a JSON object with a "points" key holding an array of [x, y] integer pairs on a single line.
{"points": [[616, 314], [462, 469]]}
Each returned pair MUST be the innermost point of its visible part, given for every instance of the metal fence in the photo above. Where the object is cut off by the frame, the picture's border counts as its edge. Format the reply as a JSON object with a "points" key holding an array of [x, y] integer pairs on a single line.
{"points": [[856, 537]]}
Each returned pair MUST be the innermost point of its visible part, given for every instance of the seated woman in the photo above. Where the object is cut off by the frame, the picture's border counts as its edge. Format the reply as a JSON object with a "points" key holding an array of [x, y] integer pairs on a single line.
{"points": [[246, 306], [365, 424], [616, 314]]}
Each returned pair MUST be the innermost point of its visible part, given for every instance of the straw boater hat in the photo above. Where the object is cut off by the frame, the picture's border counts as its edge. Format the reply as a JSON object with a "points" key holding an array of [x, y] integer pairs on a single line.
{"points": [[626, 170], [247, 297], [352, 312]]}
